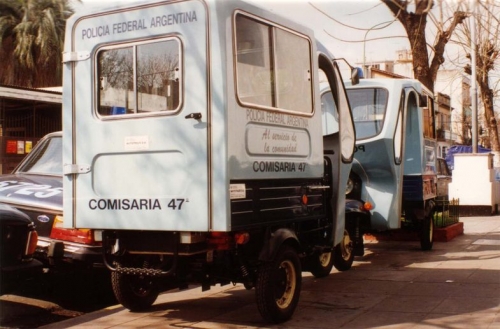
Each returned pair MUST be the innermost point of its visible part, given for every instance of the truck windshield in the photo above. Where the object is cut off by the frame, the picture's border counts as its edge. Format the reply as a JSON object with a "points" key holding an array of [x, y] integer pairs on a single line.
{"points": [[46, 158], [368, 107]]}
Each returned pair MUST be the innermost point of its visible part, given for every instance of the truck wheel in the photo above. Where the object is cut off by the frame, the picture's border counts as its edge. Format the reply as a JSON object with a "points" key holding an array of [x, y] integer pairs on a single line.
{"points": [[344, 253], [321, 265], [427, 233], [278, 286], [136, 293]]}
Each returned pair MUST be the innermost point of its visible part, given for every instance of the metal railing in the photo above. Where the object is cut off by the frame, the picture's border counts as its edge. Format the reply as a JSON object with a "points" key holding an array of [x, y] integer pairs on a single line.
{"points": [[447, 212]]}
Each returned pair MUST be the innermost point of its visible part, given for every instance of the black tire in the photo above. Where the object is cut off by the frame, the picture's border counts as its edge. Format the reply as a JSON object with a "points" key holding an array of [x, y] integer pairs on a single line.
{"points": [[427, 233], [344, 253], [321, 265], [137, 293], [278, 286]]}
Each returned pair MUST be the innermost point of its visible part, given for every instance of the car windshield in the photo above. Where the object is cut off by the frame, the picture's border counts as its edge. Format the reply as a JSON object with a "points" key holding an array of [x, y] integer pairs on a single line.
{"points": [[368, 110], [46, 158]]}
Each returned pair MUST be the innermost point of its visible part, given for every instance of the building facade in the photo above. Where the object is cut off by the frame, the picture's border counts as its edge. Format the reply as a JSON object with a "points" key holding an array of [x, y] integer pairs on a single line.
{"points": [[26, 115]]}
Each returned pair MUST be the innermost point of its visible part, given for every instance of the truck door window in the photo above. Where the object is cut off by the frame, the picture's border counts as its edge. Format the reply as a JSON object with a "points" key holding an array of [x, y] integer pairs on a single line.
{"points": [[139, 79], [398, 133], [273, 66], [329, 114], [429, 118]]}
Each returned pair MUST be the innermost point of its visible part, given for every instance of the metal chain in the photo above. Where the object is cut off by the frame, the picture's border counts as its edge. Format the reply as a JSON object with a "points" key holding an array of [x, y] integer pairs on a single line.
{"points": [[139, 271]]}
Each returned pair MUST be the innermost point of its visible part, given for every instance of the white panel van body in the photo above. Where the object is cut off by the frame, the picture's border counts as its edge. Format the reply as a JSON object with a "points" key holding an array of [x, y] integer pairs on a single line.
{"points": [[196, 143]]}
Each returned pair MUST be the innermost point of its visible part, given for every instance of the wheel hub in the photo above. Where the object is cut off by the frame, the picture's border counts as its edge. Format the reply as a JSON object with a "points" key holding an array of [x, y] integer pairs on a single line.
{"points": [[285, 284]]}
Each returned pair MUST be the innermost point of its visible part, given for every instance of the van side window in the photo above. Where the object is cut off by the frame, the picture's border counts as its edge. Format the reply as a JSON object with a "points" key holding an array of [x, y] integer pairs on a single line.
{"points": [[273, 67], [139, 79]]}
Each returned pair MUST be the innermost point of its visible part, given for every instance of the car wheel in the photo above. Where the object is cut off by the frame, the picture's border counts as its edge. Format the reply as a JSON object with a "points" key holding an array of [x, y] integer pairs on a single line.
{"points": [[278, 286], [134, 292], [344, 253]]}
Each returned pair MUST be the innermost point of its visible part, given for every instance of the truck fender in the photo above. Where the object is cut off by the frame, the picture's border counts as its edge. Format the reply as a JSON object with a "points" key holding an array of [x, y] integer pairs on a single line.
{"points": [[274, 241], [356, 216], [355, 206]]}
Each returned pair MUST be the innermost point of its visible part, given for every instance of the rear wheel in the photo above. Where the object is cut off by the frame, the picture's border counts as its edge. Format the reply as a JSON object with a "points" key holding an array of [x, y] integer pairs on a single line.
{"points": [[344, 253], [427, 233], [134, 292], [321, 265], [278, 286]]}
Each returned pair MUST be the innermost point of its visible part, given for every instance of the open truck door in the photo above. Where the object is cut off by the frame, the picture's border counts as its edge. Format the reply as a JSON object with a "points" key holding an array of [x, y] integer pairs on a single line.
{"points": [[193, 144]]}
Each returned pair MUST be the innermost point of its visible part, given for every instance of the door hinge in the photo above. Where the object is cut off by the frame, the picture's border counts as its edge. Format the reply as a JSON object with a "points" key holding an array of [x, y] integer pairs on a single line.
{"points": [[70, 169], [318, 187], [75, 56]]}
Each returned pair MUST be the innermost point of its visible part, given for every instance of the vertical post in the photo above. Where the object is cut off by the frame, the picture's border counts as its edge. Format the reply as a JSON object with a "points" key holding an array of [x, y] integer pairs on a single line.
{"points": [[365, 75], [473, 91], [365, 71]]}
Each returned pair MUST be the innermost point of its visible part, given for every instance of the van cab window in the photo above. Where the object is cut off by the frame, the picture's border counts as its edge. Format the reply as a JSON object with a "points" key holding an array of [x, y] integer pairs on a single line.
{"points": [[368, 107], [273, 66], [139, 79]]}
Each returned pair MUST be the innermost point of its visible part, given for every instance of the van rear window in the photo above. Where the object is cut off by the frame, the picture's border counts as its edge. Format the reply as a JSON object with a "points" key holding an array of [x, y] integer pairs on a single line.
{"points": [[139, 79]]}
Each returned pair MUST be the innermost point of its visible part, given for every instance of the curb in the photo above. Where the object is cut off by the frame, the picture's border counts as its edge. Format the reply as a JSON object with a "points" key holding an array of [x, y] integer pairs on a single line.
{"points": [[441, 234]]}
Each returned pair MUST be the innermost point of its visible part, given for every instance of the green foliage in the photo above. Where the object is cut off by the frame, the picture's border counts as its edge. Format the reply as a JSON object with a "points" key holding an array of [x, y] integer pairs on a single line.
{"points": [[31, 39]]}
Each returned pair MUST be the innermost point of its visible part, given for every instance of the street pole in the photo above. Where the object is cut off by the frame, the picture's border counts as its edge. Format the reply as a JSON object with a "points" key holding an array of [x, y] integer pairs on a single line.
{"points": [[473, 91], [365, 71]]}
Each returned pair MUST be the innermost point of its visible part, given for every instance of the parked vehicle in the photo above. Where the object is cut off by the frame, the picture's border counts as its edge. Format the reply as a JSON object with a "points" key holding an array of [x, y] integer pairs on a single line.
{"points": [[18, 240], [193, 145], [35, 188], [394, 170], [443, 180]]}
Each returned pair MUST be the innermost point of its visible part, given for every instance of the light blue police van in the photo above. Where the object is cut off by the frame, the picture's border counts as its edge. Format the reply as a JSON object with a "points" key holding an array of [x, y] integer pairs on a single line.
{"points": [[195, 147]]}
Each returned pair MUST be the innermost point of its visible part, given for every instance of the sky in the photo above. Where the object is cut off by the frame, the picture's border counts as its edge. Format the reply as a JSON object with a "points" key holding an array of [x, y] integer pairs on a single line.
{"points": [[344, 26], [357, 30], [334, 32]]}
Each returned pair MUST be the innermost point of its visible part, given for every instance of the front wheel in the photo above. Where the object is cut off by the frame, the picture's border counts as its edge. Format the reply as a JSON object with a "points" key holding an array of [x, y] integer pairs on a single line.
{"points": [[136, 293], [344, 253], [321, 265], [427, 233], [278, 286]]}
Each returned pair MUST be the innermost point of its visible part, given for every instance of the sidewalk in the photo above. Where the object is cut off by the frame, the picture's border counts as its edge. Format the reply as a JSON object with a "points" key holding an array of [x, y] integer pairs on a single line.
{"points": [[395, 285]]}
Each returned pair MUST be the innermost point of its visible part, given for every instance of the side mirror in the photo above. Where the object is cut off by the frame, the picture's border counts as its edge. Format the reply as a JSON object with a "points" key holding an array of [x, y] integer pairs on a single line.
{"points": [[356, 74]]}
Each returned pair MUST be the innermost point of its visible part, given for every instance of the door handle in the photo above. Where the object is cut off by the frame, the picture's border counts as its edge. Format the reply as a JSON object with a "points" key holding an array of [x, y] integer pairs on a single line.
{"points": [[196, 116]]}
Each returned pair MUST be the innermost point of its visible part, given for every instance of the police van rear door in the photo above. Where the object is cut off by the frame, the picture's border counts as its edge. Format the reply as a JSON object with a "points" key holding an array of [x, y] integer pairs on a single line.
{"points": [[136, 139]]}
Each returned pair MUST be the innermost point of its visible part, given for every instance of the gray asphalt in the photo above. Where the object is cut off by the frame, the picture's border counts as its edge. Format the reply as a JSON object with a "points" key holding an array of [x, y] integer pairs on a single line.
{"points": [[395, 285]]}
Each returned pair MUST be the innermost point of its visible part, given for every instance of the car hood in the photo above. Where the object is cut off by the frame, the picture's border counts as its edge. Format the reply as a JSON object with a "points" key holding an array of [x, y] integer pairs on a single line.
{"points": [[8, 213], [37, 191]]}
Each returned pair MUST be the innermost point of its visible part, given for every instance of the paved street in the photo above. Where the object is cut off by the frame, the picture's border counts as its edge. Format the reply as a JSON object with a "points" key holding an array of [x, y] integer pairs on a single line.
{"points": [[395, 285]]}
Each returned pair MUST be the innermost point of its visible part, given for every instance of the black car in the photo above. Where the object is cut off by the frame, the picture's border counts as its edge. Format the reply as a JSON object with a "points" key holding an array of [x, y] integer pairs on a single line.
{"points": [[35, 188], [17, 246]]}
